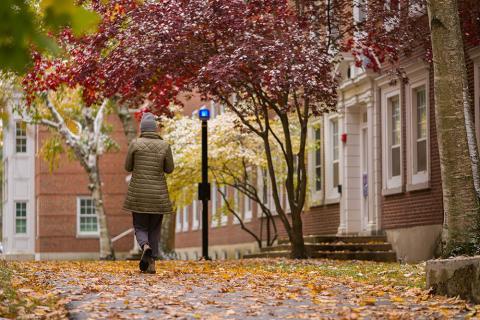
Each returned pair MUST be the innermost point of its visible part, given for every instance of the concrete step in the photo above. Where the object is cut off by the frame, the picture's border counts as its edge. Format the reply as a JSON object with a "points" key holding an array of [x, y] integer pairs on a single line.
{"points": [[380, 256], [354, 247], [334, 239]]}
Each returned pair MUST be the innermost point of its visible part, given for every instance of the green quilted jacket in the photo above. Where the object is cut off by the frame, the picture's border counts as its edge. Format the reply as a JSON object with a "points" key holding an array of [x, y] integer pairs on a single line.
{"points": [[148, 158]]}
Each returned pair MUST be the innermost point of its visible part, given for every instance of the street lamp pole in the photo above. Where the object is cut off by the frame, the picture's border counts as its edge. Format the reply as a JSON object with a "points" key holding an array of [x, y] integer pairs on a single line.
{"points": [[204, 186]]}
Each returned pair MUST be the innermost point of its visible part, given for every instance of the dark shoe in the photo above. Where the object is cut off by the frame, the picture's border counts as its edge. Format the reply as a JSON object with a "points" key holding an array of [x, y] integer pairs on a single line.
{"points": [[146, 258], [151, 267]]}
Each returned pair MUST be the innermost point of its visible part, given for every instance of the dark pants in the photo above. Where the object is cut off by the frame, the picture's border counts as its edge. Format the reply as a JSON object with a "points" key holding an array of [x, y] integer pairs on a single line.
{"points": [[147, 229]]}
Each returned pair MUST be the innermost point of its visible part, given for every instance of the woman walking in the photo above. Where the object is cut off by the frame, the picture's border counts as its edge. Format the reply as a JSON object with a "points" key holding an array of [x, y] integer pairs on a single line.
{"points": [[148, 158]]}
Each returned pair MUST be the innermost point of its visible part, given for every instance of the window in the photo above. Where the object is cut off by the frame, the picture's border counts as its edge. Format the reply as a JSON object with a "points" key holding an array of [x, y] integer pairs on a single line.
{"points": [[87, 217], [359, 10], [264, 187], [20, 217], [21, 137], [420, 146], [178, 221], [317, 159], [223, 211], [237, 206], [392, 14], [418, 140], [335, 152], [185, 218], [394, 137], [392, 149], [332, 8], [196, 215], [332, 159], [248, 209], [315, 162], [215, 219]]}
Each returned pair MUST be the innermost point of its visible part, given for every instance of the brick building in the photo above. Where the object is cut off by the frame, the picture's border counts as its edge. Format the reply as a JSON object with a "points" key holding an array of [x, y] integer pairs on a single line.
{"points": [[375, 171]]}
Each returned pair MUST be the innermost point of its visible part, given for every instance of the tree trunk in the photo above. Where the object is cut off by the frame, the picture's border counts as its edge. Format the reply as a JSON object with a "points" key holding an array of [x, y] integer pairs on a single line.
{"points": [[296, 238], [106, 249], [167, 237], [458, 155], [128, 121]]}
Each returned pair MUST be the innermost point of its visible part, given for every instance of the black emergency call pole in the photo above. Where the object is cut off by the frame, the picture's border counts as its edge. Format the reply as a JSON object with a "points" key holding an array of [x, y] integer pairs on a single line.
{"points": [[204, 186]]}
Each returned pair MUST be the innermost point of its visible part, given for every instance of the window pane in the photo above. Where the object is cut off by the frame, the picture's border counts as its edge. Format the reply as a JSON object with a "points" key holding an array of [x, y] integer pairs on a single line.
{"points": [[318, 180], [336, 177], [318, 159], [20, 225], [422, 155], [335, 139], [395, 114], [20, 217], [396, 161], [421, 114], [265, 187]]}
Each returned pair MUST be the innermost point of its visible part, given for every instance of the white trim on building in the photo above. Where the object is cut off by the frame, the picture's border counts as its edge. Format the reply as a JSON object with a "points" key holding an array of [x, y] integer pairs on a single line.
{"points": [[87, 219], [392, 149], [19, 185], [418, 130]]}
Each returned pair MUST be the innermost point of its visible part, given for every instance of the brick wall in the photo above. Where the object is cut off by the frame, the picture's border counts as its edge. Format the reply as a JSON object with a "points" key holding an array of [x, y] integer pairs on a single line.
{"points": [[56, 196], [422, 207], [317, 220]]}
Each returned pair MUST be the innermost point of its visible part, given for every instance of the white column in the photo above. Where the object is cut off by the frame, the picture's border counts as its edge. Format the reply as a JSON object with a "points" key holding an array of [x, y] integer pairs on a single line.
{"points": [[375, 181], [351, 185]]}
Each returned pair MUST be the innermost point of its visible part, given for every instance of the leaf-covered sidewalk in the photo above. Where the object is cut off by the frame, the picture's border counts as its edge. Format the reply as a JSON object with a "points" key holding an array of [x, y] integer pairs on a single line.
{"points": [[244, 289]]}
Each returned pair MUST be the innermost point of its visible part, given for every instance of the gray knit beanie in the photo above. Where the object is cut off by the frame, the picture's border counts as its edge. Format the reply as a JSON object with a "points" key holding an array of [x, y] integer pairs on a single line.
{"points": [[148, 123]]}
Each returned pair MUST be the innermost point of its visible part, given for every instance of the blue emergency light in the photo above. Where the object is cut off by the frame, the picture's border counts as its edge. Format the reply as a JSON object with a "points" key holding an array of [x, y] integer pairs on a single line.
{"points": [[204, 114]]}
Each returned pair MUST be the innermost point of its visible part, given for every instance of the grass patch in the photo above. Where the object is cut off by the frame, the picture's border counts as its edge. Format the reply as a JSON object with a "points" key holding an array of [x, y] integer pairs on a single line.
{"points": [[393, 274]]}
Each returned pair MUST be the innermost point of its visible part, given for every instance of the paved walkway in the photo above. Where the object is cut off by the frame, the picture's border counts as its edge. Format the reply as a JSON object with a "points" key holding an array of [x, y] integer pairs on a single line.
{"points": [[262, 289]]}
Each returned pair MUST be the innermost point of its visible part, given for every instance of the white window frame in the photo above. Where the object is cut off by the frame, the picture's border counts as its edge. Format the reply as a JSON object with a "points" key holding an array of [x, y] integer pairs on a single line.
{"points": [[358, 7], [80, 233], [263, 182], [417, 180], [178, 220], [215, 221], [185, 222], [195, 215], [331, 193], [316, 195], [391, 185], [25, 218], [247, 214], [21, 137], [237, 206], [213, 109], [224, 216], [389, 26]]}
